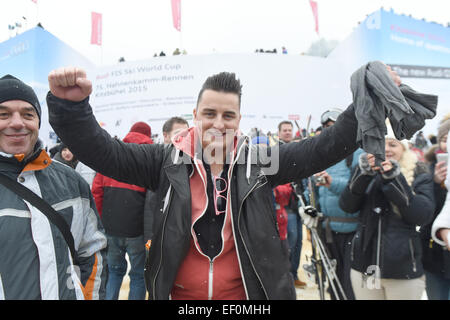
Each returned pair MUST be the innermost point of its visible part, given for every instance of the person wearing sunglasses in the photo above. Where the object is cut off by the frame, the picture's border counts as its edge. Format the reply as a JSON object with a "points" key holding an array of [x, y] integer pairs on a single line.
{"points": [[217, 237], [329, 117]]}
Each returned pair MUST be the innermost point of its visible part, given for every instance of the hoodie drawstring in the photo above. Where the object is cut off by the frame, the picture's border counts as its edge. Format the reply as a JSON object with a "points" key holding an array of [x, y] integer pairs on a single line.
{"points": [[249, 159], [177, 156]]}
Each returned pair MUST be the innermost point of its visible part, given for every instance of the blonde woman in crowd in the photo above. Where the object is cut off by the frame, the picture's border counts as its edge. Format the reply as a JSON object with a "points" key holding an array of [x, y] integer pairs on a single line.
{"points": [[392, 199]]}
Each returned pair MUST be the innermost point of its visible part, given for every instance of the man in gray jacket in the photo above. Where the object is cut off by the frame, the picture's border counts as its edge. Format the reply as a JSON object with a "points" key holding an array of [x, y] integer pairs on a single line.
{"points": [[35, 260]]}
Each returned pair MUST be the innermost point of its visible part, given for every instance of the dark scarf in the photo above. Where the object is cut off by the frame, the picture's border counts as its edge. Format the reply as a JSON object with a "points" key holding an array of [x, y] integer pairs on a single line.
{"points": [[376, 97]]}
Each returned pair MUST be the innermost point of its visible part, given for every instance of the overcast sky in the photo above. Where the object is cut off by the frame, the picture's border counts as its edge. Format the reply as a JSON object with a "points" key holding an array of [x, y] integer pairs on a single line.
{"points": [[137, 29]]}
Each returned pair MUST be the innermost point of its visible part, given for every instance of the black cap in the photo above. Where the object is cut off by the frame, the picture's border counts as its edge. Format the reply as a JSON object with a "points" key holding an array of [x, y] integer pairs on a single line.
{"points": [[12, 88]]}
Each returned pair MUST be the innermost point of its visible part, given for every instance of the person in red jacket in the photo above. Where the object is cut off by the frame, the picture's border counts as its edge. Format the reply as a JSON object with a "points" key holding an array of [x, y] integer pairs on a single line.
{"points": [[282, 196], [121, 208], [286, 201]]}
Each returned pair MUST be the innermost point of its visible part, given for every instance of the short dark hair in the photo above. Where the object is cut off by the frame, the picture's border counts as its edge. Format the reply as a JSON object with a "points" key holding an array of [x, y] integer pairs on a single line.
{"points": [[284, 122], [168, 125], [222, 82]]}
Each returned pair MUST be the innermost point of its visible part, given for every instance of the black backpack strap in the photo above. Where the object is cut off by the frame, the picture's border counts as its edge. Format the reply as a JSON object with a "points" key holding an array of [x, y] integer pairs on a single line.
{"points": [[45, 208]]}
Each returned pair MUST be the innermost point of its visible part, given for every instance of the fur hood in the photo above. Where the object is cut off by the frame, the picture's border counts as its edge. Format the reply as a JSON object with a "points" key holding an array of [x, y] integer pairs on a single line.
{"points": [[430, 155]]}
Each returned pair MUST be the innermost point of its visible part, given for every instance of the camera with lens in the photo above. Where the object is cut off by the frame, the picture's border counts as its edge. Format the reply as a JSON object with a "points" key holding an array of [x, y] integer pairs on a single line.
{"points": [[320, 180]]}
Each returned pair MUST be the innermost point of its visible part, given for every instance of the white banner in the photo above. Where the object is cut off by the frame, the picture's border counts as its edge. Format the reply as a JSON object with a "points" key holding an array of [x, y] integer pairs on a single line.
{"points": [[275, 88]]}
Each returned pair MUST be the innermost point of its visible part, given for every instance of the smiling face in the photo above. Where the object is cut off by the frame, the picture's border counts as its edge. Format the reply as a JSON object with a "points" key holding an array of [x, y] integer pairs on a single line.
{"points": [[19, 127], [394, 149], [217, 116]]}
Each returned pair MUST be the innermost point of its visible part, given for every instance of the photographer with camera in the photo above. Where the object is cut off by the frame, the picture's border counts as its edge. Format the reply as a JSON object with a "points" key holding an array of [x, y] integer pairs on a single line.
{"points": [[392, 199], [337, 227]]}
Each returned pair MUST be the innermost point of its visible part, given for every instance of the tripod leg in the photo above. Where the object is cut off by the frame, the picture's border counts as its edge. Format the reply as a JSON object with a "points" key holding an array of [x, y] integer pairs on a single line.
{"points": [[332, 277], [318, 269], [326, 263]]}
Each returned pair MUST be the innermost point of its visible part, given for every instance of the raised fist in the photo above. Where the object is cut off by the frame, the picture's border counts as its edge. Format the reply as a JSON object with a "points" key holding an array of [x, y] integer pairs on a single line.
{"points": [[70, 84]]}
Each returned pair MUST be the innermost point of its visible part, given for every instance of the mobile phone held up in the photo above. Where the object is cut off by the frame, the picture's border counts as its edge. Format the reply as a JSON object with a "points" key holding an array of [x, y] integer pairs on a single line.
{"points": [[442, 157]]}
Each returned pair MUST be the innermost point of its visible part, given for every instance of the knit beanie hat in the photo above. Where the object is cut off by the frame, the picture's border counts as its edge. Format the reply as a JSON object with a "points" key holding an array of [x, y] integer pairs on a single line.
{"points": [[390, 135], [444, 127], [12, 88], [143, 128]]}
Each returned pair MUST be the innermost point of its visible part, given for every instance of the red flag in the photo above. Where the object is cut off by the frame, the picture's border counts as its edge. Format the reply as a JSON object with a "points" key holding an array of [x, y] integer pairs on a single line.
{"points": [[176, 14], [315, 11], [35, 1], [96, 33]]}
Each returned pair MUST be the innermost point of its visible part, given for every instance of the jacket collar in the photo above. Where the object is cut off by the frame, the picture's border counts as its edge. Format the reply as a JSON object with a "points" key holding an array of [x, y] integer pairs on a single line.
{"points": [[189, 142], [37, 160]]}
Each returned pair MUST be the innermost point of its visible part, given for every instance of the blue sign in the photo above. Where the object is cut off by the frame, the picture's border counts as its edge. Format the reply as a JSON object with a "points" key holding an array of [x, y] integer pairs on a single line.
{"points": [[30, 57], [397, 40]]}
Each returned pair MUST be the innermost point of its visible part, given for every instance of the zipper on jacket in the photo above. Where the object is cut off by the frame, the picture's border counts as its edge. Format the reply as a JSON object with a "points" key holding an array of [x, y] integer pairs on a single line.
{"points": [[2, 293], [411, 250], [162, 241], [210, 280], [353, 179], [243, 242], [211, 261], [230, 175], [352, 251], [402, 191]]}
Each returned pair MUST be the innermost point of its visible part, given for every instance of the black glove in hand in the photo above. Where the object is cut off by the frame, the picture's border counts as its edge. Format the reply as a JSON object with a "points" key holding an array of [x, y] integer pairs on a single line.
{"points": [[394, 172], [364, 165]]}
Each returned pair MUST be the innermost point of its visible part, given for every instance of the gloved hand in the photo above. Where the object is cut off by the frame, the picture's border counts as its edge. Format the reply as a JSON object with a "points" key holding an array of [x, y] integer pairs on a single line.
{"points": [[364, 163], [310, 216]]}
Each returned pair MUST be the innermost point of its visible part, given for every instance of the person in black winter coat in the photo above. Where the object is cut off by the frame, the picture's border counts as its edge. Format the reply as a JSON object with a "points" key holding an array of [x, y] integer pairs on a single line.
{"points": [[436, 258], [386, 249], [121, 208]]}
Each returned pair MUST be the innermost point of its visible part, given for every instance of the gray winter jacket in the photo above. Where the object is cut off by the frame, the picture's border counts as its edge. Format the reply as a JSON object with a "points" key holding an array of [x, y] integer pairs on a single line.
{"points": [[35, 261]]}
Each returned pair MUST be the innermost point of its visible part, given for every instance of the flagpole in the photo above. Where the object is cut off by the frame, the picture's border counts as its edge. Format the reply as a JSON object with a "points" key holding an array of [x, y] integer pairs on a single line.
{"points": [[97, 32], [176, 19], [181, 30], [37, 12], [315, 10]]}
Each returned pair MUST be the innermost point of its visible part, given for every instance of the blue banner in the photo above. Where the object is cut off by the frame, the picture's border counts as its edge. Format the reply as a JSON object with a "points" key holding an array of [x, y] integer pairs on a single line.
{"points": [[396, 40], [30, 57]]}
